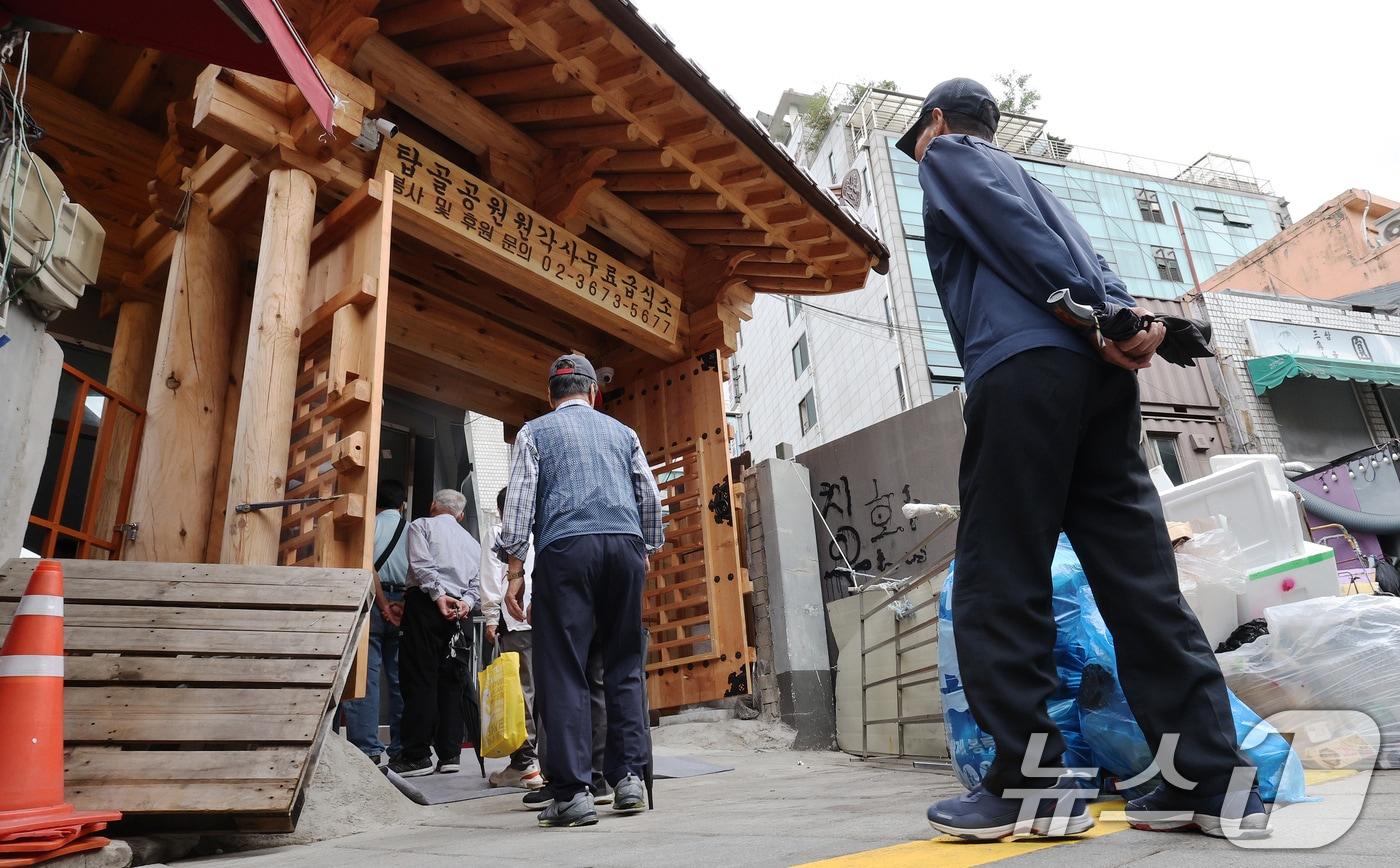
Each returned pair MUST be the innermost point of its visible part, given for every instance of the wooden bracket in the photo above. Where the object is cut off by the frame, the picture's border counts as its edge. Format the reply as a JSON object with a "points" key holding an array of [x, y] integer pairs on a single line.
{"points": [[571, 176]]}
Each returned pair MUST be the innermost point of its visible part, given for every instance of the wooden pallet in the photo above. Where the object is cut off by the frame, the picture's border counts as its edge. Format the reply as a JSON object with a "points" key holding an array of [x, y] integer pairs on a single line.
{"points": [[197, 696]]}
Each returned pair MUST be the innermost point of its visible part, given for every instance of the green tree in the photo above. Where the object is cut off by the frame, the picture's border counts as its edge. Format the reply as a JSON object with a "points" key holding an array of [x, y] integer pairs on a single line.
{"points": [[1017, 95], [820, 113]]}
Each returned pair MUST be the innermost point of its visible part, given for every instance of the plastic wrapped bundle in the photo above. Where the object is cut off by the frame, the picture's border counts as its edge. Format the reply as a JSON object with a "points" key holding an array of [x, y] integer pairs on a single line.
{"points": [[1324, 654], [1089, 706]]}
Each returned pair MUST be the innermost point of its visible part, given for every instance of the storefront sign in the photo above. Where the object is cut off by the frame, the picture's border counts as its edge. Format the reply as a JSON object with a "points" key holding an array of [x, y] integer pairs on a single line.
{"points": [[1320, 342], [487, 219]]}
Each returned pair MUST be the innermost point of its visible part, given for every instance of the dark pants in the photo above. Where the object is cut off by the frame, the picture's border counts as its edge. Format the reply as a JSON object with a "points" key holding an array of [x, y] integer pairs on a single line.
{"points": [[598, 711], [585, 584], [1053, 443], [362, 715], [432, 685]]}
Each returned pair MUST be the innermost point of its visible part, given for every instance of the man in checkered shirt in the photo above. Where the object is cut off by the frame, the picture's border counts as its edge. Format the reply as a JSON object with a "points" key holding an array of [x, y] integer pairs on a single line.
{"points": [[581, 485]]}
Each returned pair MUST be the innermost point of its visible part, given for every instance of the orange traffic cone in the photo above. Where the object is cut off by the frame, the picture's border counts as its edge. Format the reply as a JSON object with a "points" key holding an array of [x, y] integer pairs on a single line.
{"points": [[34, 819]]}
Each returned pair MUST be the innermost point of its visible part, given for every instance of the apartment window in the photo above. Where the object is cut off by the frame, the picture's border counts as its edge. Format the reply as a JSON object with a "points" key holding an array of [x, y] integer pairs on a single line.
{"points": [[807, 411], [1236, 220], [899, 386], [794, 307], [831, 164], [1150, 207], [1167, 267], [799, 357], [889, 320], [736, 382], [1164, 447]]}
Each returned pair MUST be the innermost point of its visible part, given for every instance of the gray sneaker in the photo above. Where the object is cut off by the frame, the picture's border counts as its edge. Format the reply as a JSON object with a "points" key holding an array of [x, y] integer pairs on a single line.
{"points": [[578, 811], [631, 796]]}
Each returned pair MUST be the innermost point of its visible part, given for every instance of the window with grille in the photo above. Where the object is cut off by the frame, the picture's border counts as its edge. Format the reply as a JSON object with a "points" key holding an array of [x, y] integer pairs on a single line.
{"points": [[899, 385], [1150, 207], [799, 357], [807, 411], [1167, 267], [794, 307]]}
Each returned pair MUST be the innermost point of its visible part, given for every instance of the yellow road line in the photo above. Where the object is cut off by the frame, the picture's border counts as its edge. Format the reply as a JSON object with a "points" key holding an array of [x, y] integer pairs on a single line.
{"points": [[948, 852]]}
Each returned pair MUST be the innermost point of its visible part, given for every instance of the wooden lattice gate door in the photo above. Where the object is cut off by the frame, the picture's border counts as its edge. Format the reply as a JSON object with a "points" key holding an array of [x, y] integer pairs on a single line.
{"points": [[693, 604], [336, 416]]}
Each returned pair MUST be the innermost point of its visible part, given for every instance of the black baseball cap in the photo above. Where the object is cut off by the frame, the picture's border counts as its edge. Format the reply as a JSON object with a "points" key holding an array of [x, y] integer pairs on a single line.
{"points": [[574, 363], [959, 95]]}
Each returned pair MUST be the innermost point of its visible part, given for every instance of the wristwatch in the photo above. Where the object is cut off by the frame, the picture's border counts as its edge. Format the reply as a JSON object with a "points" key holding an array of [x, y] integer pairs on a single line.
{"points": [[512, 575]]}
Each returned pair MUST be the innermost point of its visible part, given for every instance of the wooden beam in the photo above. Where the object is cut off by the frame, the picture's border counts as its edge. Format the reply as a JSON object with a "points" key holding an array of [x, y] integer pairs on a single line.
{"points": [[269, 380], [135, 83], [472, 49], [775, 269], [424, 14], [414, 86], [676, 201], [547, 76], [431, 326], [73, 62], [726, 237], [792, 285], [640, 161], [561, 109], [654, 182], [173, 491], [134, 350], [80, 124], [430, 378], [722, 220], [602, 135]]}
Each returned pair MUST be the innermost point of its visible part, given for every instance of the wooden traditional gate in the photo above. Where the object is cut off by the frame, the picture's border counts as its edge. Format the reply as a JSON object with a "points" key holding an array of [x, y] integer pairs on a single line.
{"points": [[694, 598], [340, 382]]}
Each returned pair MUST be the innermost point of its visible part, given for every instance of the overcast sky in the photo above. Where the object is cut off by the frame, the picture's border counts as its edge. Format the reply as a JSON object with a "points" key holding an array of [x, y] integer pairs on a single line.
{"points": [[1313, 103]]}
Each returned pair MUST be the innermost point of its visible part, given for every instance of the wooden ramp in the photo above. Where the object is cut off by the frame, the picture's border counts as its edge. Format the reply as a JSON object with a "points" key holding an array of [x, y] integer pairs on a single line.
{"points": [[197, 695]]}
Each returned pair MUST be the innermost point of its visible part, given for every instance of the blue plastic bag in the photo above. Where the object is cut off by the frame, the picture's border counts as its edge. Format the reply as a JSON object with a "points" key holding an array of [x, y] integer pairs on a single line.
{"points": [[1089, 706]]}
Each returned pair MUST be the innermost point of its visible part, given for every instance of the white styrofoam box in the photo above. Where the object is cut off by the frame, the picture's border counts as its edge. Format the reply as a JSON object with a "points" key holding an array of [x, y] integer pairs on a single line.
{"points": [[1273, 466], [1241, 496], [1161, 480], [1216, 607], [1290, 521], [1303, 577]]}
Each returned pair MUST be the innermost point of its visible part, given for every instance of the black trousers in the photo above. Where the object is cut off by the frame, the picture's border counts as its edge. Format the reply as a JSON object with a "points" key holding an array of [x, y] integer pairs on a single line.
{"points": [[598, 711], [431, 684], [586, 585], [1053, 443]]}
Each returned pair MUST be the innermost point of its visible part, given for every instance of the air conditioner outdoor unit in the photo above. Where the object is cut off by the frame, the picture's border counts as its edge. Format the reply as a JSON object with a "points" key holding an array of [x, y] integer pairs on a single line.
{"points": [[55, 244], [1389, 227]]}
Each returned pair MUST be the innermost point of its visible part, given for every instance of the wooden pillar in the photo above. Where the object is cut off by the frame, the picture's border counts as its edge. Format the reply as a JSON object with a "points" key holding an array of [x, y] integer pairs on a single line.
{"points": [[175, 479], [134, 350], [263, 433]]}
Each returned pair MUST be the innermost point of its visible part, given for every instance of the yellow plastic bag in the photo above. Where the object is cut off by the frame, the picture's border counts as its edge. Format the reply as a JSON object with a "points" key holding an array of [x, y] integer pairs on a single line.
{"points": [[502, 706]]}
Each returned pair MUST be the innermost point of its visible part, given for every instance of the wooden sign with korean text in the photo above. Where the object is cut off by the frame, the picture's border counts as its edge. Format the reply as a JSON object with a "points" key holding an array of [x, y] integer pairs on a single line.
{"points": [[472, 220]]}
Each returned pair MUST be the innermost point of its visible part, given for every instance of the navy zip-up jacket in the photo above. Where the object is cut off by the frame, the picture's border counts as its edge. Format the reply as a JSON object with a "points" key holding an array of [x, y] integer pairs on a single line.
{"points": [[999, 244]]}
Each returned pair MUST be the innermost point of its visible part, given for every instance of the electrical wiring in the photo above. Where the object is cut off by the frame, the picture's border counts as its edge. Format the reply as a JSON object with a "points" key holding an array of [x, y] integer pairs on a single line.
{"points": [[18, 129]]}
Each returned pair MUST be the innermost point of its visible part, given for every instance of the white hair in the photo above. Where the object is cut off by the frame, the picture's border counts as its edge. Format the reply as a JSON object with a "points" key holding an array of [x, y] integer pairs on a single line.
{"points": [[451, 501]]}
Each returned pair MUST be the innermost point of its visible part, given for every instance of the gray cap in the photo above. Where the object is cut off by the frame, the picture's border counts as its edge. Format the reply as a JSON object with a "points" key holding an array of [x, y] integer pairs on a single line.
{"points": [[961, 96], [574, 363]]}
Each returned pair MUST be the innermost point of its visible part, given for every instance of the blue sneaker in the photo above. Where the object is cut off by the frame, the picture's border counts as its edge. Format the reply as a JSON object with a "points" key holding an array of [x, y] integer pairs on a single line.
{"points": [[982, 816], [1224, 815]]}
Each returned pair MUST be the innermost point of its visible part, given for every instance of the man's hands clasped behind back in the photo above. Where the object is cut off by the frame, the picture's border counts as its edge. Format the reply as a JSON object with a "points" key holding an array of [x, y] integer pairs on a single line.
{"points": [[1136, 352]]}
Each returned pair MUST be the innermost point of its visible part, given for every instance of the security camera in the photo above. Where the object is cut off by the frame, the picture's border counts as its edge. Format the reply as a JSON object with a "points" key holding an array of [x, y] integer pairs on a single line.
{"points": [[606, 375], [387, 128]]}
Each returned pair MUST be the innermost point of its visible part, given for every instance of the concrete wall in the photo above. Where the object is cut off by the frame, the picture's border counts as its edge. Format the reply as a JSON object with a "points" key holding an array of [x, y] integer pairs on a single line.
{"points": [[793, 667], [30, 365], [861, 481], [1324, 255], [1228, 314]]}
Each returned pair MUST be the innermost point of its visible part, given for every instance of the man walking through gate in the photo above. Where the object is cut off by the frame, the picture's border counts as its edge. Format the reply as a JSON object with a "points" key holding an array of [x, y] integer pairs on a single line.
{"points": [[581, 482], [443, 586], [1052, 443]]}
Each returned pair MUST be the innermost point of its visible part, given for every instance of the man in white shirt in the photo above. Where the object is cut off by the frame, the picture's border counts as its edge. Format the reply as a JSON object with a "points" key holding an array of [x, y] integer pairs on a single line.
{"points": [[444, 565], [510, 633]]}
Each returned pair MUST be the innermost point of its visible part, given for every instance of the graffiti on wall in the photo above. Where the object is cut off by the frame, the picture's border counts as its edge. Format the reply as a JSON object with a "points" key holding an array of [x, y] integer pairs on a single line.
{"points": [[873, 536]]}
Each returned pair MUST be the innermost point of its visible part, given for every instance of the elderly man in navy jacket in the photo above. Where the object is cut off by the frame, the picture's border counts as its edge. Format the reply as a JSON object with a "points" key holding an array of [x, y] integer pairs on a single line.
{"points": [[1053, 432]]}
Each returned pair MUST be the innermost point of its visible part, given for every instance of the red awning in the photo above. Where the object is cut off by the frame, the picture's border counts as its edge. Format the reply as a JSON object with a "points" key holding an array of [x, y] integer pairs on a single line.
{"points": [[248, 35]]}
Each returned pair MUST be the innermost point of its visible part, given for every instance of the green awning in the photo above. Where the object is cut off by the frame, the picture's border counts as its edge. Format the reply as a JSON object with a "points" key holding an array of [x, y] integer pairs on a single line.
{"points": [[1267, 372]]}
